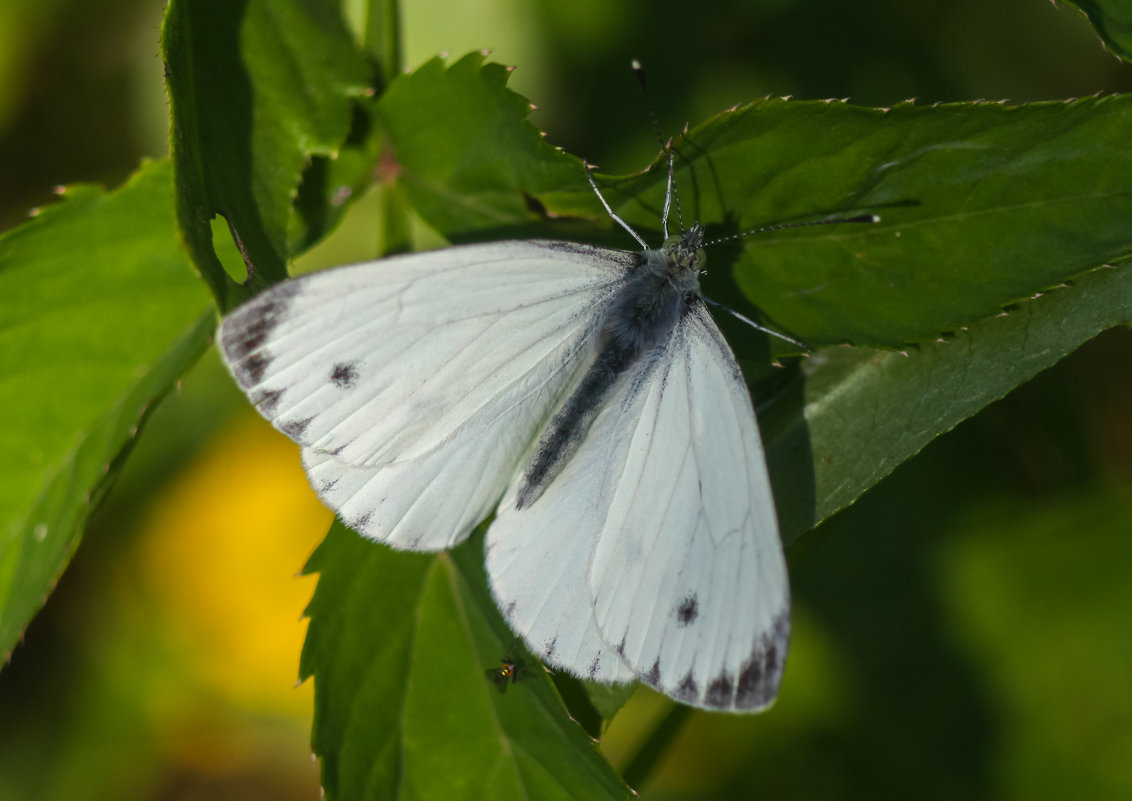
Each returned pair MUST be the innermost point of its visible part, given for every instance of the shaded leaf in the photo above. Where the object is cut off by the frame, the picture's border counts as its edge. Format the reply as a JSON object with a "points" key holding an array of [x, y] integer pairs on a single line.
{"points": [[981, 205], [864, 412], [101, 315]]}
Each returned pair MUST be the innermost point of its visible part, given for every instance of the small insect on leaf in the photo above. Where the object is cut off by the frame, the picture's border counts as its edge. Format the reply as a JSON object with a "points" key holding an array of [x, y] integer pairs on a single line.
{"points": [[508, 671]]}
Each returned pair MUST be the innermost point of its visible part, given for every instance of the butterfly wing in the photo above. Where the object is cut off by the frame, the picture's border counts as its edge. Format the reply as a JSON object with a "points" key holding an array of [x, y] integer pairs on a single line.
{"points": [[669, 508], [415, 384]]}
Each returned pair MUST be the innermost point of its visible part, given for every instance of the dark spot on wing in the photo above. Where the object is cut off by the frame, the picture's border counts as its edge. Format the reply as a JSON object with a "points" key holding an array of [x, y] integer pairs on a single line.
{"points": [[653, 676], [687, 690], [687, 611], [595, 665], [267, 401], [509, 612], [719, 690], [295, 428], [245, 338], [754, 683], [327, 486], [344, 375], [362, 523], [762, 672], [548, 648], [621, 648]]}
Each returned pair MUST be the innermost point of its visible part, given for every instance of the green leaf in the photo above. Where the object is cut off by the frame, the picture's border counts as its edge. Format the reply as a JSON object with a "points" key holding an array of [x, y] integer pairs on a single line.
{"points": [[398, 646], [101, 314], [256, 88], [1112, 20]]}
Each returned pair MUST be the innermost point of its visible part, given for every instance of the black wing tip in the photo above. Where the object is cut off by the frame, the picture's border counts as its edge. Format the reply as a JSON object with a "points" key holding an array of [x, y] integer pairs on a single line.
{"points": [[761, 675], [243, 334]]}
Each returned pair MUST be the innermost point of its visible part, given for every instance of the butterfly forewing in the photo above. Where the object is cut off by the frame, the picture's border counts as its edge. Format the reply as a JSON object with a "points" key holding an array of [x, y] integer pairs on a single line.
{"points": [[416, 383]]}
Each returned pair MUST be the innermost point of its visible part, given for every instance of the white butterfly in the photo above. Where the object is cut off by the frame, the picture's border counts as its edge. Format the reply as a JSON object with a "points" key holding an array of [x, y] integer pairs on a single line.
{"points": [[589, 387]]}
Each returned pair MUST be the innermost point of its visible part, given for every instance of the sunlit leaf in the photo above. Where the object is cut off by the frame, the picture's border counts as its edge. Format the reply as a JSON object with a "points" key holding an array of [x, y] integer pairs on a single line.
{"points": [[102, 313]]}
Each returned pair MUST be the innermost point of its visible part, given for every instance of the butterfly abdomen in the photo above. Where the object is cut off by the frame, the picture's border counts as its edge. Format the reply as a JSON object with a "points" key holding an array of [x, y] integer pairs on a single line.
{"points": [[639, 319]]}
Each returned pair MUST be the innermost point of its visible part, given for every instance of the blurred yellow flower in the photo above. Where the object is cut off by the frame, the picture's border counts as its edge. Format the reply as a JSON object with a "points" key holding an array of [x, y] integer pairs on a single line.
{"points": [[220, 556]]}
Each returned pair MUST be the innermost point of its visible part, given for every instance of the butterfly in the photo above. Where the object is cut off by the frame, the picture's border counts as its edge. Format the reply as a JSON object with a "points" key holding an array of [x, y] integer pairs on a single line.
{"points": [[582, 394]]}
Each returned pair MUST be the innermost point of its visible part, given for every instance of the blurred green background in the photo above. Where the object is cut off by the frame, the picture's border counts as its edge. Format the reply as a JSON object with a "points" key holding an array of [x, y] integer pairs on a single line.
{"points": [[961, 632]]}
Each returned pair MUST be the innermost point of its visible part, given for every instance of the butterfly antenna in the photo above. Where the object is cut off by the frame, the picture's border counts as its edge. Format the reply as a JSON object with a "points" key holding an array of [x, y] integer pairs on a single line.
{"points": [[861, 218], [610, 211], [639, 71], [672, 180], [670, 194], [758, 327]]}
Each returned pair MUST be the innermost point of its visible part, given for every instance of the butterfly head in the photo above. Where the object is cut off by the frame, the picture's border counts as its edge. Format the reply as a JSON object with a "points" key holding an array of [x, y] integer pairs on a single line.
{"points": [[685, 255]]}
